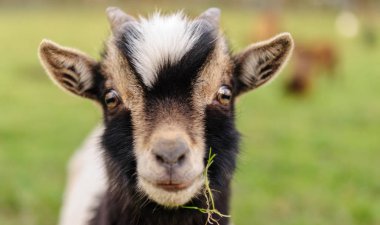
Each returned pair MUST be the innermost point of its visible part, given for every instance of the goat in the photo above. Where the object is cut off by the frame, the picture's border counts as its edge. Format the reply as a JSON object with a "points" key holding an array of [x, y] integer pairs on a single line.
{"points": [[309, 62], [167, 87]]}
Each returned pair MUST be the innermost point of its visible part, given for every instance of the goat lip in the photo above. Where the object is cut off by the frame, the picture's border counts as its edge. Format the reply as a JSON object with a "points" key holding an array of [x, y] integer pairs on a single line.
{"points": [[174, 187]]}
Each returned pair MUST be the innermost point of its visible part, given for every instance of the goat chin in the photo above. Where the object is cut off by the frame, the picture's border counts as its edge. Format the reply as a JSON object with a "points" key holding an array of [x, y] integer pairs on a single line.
{"points": [[171, 199]]}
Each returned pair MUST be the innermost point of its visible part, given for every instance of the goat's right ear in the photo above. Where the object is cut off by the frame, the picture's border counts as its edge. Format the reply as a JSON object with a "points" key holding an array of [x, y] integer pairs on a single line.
{"points": [[68, 68]]}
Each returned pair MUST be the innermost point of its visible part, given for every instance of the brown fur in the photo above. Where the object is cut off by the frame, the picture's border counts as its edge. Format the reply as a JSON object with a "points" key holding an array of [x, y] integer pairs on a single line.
{"points": [[310, 61]]}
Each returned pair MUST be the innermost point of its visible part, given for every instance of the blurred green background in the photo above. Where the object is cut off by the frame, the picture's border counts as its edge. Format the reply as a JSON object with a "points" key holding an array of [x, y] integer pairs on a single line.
{"points": [[307, 158]]}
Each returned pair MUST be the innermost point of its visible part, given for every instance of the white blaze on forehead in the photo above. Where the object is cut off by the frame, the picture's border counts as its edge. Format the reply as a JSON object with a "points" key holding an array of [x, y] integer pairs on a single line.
{"points": [[161, 40]]}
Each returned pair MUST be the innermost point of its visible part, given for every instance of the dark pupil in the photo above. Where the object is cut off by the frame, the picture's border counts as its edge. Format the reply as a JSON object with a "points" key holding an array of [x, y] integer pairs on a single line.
{"points": [[225, 96], [110, 100]]}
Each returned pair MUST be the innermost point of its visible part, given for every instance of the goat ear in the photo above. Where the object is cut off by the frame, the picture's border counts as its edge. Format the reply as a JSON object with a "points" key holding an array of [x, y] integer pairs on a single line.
{"points": [[68, 68], [261, 62]]}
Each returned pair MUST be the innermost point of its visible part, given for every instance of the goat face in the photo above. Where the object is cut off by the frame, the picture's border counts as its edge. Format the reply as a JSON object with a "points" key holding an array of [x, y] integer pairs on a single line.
{"points": [[167, 86]]}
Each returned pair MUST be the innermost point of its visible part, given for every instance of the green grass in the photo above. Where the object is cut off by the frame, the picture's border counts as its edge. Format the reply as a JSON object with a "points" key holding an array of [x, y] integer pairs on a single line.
{"points": [[304, 161], [208, 195]]}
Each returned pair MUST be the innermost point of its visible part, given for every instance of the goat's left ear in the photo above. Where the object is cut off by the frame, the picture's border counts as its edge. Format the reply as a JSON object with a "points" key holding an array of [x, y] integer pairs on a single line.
{"points": [[261, 62], [70, 69]]}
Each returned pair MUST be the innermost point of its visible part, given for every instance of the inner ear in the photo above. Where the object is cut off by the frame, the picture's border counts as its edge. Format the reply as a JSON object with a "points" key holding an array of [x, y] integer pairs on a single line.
{"points": [[70, 69], [261, 62]]}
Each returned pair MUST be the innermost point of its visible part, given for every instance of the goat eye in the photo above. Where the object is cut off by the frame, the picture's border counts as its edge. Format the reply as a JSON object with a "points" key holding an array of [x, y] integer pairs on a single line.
{"points": [[111, 99], [224, 95]]}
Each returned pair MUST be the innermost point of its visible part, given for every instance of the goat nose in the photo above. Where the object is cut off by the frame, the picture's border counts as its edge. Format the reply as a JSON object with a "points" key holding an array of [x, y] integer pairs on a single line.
{"points": [[170, 152]]}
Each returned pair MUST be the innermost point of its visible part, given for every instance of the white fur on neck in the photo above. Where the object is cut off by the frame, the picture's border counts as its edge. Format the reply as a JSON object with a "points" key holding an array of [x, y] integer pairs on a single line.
{"points": [[86, 182]]}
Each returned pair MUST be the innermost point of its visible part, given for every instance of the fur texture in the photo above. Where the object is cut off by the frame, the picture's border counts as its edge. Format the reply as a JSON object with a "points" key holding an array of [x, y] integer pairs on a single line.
{"points": [[159, 78]]}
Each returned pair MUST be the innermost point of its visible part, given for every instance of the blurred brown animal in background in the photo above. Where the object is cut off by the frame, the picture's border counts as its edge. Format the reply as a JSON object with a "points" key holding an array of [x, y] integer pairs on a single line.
{"points": [[310, 61]]}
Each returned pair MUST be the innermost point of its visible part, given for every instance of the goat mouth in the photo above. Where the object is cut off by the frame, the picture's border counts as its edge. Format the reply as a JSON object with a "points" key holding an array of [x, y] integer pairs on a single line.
{"points": [[171, 194], [171, 186], [174, 187]]}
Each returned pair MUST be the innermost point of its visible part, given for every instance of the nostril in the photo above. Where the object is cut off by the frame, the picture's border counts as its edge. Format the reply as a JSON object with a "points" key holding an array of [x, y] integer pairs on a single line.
{"points": [[160, 159], [181, 159]]}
